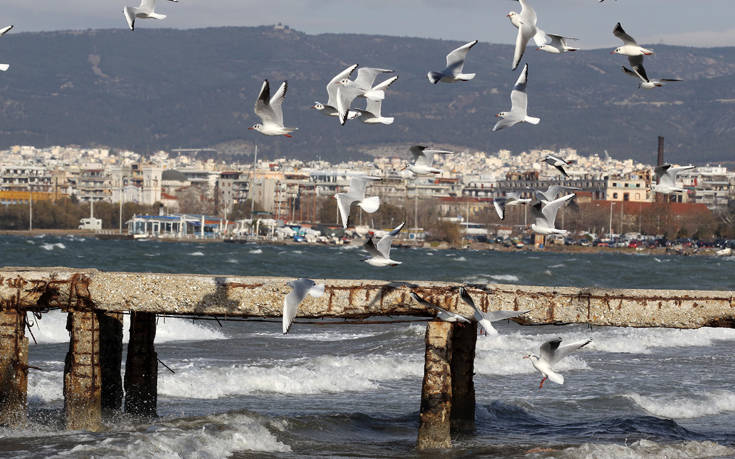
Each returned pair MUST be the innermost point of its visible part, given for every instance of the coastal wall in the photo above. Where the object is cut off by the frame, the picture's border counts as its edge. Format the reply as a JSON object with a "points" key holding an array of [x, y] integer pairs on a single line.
{"points": [[232, 296]]}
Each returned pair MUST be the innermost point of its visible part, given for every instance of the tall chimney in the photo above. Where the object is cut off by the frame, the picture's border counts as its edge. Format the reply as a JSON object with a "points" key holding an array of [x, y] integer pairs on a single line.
{"points": [[660, 151]]}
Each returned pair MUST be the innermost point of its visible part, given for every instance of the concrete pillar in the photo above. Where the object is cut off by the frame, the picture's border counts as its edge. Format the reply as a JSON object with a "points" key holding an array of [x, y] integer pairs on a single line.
{"points": [[13, 368], [436, 392], [82, 375], [141, 366], [464, 339], [111, 335]]}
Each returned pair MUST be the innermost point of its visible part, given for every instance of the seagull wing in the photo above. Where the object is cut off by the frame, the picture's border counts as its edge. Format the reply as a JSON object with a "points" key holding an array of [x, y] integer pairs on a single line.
{"points": [[262, 105], [630, 72], [149, 6], [344, 201], [366, 77], [332, 85], [620, 33], [5, 30], [129, 17], [494, 316], [276, 102], [566, 349], [518, 96], [636, 63], [455, 59], [369, 246], [499, 204], [442, 312], [293, 299], [384, 243], [345, 97], [549, 210]]}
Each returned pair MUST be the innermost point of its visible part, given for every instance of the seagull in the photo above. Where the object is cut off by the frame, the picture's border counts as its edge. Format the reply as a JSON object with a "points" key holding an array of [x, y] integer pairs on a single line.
{"points": [[557, 45], [291, 302], [645, 82], [270, 111], [553, 192], [330, 108], [526, 24], [485, 319], [146, 10], [371, 114], [356, 193], [510, 199], [362, 86], [455, 64], [381, 251], [630, 48], [519, 105], [545, 214], [558, 163], [667, 179], [3, 31], [441, 313], [551, 353], [424, 160]]}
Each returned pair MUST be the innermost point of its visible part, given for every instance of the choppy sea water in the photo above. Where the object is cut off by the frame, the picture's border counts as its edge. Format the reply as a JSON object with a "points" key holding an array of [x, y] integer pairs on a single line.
{"points": [[246, 390]]}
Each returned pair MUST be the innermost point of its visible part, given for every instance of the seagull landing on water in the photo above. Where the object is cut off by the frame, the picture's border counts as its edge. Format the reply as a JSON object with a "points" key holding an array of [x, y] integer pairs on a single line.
{"points": [[372, 112], [455, 65], [525, 22], [356, 193], [645, 82], [510, 199], [381, 251], [545, 214], [441, 313], [3, 31], [666, 174], [330, 108], [270, 111], [146, 10], [558, 163], [519, 105], [551, 353], [424, 159], [300, 288], [485, 319]]}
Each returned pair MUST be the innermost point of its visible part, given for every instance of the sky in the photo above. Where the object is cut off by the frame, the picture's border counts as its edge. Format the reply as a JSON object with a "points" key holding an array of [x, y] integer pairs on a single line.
{"points": [[680, 22]]}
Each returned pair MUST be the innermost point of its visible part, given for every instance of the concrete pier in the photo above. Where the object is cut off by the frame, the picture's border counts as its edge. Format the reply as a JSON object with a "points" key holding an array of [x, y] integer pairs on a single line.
{"points": [[141, 366], [82, 374], [13, 368], [436, 389]]}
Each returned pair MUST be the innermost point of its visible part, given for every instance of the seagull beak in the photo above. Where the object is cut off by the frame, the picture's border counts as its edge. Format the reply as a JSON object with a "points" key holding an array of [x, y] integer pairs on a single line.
{"points": [[612, 52], [250, 129]]}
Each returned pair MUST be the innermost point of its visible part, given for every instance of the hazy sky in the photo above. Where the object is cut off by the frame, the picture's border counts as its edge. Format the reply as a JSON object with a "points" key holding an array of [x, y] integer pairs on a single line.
{"points": [[684, 22]]}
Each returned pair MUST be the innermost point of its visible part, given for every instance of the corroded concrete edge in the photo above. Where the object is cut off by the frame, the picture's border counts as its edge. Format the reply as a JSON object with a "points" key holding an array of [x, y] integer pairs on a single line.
{"points": [[236, 296]]}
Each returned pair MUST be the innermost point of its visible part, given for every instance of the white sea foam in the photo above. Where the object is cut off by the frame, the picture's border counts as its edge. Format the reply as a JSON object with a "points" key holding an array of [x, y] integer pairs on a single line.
{"points": [[645, 341], [459, 259], [232, 260], [51, 246], [154, 254], [48, 385], [255, 251], [645, 449], [429, 254], [297, 251], [560, 265], [52, 329], [197, 254], [309, 336], [504, 277], [324, 374], [680, 406]]}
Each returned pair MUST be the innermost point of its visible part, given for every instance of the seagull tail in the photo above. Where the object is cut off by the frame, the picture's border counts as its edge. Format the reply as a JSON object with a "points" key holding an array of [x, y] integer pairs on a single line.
{"points": [[532, 120], [434, 77], [370, 205], [466, 76], [316, 291], [4, 67], [388, 120], [157, 16]]}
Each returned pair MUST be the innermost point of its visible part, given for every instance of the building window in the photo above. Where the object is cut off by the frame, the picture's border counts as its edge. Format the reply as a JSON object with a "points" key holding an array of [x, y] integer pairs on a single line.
{"points": [[615, 196]]}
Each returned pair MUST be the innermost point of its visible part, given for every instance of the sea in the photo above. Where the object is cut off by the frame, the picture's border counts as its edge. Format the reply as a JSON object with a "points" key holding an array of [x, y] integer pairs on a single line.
{"points": [[243, 389]]}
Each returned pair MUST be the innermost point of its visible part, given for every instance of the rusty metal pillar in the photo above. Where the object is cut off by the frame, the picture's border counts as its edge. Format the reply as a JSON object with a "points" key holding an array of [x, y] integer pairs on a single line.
{"points": [[141, 366], [13, 368], [436, 392], [464, 339], [82, 375], [111, 336]]}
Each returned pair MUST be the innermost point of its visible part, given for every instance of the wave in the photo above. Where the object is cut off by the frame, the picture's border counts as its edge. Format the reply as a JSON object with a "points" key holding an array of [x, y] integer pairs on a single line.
{"points": [[310, 336], [682, 407], [48, 385], [324, 374], [644, 341], [51, 246], [504, 277], [197, 254], [644, 449], [459, 259], [255, 251]]}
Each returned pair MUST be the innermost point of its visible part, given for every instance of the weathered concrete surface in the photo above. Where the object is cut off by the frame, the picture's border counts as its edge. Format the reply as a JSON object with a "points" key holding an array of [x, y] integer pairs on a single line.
{"points": [[111, 346], [436, 390], [13, 368], [82, 374], [262, 297], [141, 366], [464, 340]]}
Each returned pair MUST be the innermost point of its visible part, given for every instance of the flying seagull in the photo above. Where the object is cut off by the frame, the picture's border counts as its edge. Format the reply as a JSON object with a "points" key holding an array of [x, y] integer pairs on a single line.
{"points": [[526, 24], [553, 192], [519, 105], [424, 160], [356, 193], [666, 175], [558, 163], [441, 313], [455, 65], [645, 82], [545, 214], [510, 199], [557, 45], [270, 111], [292, 301], [551, 353], [372, 112], [146, 10], [330, 108], [634, 52], [485, 319], [3, 31], [348, 90], [381, 251]]}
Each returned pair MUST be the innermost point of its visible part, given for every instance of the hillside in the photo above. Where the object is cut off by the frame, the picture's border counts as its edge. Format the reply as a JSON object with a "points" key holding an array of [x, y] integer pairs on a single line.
{"points": [[163, 88]]}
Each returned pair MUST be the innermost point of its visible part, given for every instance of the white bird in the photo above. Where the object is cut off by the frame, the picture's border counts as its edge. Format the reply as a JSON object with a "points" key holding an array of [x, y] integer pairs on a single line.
{"points": [[510, 199], [146, 10], [666, 175], [358, 186], [551, 353], [372, 112], [381, 251], [362, 86], [424, 160], [485, 319], [526, 24], [441, 313], [557, 45], [645, 82], [300, 288], [3, 31], [330, 108], [455, 65], [553, 192], [630, 48], [558, 163], [270, 111], [519, 105], [545, 214]]}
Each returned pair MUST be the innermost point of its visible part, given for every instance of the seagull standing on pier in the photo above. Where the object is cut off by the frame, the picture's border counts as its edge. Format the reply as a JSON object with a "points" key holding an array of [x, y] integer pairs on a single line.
{"points": [[300, 288], [270, 111], [485, 319], [551, 353], [441, 313]]}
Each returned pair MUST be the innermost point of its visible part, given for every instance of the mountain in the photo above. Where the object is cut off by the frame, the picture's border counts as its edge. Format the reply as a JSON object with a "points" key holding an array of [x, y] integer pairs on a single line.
{"points": [[161, 88]]}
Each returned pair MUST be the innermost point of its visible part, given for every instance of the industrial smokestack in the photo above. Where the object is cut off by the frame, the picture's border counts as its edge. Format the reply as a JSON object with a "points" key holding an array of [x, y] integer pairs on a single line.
{"points": [[660, 161]]}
